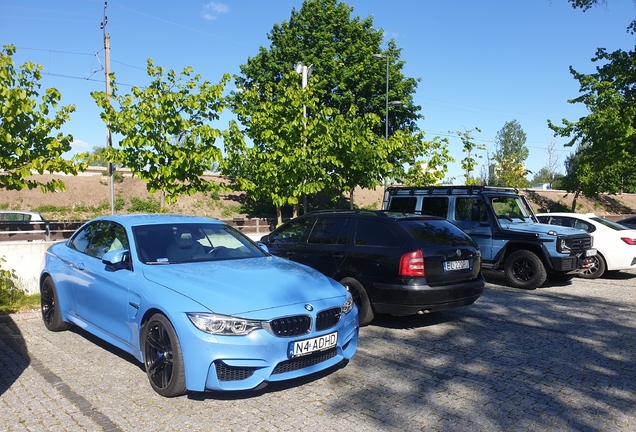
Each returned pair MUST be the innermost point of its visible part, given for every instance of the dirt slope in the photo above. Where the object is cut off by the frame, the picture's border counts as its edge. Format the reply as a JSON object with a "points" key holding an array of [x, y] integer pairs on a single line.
{"points": [[88, 195]]}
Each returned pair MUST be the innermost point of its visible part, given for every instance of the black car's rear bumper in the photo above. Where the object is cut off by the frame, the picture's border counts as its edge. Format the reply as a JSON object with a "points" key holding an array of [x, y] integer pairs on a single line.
{"points": [[410, 299]]}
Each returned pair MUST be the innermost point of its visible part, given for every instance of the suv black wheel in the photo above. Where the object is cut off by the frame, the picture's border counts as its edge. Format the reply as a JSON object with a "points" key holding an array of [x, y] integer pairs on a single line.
{"points": [[525, 270], [361, 299]]}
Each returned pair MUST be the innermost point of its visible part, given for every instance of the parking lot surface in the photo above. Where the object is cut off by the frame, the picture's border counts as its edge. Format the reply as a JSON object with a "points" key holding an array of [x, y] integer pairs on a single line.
{"points": [[561, 357]]}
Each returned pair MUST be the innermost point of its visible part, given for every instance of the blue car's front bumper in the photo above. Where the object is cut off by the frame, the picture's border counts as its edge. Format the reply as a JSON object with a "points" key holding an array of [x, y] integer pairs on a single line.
{"points": [[244, 362]]}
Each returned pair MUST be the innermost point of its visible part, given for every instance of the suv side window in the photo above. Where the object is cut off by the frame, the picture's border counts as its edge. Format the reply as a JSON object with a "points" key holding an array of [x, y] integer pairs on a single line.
{"points": [[402, 204], [374, 233], [292, 232], [329, 230], [470, 210], [435, 206]]}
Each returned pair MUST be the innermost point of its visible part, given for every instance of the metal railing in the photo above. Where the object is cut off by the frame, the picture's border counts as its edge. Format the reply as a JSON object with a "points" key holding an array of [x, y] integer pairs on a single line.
{"points": [[57, 230]]}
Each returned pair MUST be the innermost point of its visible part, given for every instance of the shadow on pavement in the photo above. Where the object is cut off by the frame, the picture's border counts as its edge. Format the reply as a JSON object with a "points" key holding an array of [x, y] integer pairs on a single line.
{"points": [[14, 358], [546, 359]]}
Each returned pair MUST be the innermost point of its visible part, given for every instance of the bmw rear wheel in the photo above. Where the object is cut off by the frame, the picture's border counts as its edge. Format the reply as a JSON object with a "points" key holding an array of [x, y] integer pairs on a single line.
{"points": [[50, 306], [361, 299], [163, 357]]}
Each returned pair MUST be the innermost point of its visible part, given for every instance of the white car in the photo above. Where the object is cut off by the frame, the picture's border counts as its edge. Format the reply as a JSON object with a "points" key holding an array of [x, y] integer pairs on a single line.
{"points": [[19, 216], [615, 243]]}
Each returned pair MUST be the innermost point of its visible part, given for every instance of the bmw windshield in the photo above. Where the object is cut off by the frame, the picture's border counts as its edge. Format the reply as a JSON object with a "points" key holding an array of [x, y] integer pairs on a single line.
{"points": [[183, 243]]}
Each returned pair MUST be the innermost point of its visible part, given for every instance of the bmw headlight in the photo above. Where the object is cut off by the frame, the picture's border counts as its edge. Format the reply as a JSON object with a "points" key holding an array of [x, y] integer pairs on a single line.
{"points": [[348, 304], [223, 324]]}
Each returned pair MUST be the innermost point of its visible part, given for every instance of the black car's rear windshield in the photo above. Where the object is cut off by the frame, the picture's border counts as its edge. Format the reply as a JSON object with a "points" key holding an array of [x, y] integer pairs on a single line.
{"points": [[435, 232]]}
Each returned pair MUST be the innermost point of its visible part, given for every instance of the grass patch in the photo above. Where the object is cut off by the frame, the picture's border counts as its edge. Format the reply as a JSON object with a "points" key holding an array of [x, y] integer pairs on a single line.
{"points": [[13, 300], [149, 205]]}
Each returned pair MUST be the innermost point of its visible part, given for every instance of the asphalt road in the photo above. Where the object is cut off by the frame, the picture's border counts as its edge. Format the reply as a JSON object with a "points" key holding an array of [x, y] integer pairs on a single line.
{"points": [[561, 357]]}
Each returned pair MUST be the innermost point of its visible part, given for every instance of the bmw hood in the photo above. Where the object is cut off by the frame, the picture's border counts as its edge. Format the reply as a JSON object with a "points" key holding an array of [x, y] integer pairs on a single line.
{"points": [[236, 287]]}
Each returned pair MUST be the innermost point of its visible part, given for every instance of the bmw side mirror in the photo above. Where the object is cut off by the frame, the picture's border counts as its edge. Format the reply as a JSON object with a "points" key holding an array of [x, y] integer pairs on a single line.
{"points": [[117, 260], [262, 245]]}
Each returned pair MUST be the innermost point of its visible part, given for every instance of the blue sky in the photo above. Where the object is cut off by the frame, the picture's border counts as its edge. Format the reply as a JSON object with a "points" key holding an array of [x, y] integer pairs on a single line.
{"points": [[481, 64]]}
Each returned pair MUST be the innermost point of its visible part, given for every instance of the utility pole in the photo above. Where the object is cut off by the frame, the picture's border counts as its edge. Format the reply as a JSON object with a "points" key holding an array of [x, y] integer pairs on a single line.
{"points": [[109, 140]]}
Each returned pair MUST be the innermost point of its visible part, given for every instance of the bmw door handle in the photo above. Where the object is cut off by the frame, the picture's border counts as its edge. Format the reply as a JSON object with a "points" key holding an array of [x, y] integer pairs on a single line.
{"points": [[80, 266]]}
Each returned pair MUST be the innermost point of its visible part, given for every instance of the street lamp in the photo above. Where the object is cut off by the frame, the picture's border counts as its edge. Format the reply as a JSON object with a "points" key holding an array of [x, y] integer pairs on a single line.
{"points": [[386, 109], [392, 103], [305, 71]]}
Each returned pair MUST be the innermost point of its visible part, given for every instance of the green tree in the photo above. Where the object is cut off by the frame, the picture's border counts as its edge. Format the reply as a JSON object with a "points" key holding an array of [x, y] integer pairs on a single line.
{"points": [[470, 160], [341, 49], [167, 137], [588, 4], [278, 166], [352, 86], [544, 175], [605, 140], [293, 155], [607, 134], [510, 156], [578, 176], [97, 157], [28, 141], [426, 161]]}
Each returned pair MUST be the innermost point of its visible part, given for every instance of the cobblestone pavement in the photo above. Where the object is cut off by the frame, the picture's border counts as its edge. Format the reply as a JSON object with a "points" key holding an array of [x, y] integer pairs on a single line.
{"points": [[561, 357]]}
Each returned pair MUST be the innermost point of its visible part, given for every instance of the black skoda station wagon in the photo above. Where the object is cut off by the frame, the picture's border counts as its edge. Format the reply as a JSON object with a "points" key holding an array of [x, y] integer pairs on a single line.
{"points": [[392, 263]]}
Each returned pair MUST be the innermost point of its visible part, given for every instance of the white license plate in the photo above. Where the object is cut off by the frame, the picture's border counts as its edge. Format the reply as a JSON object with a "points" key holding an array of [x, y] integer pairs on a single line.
{"points": [[456, 265], [308, 346]]}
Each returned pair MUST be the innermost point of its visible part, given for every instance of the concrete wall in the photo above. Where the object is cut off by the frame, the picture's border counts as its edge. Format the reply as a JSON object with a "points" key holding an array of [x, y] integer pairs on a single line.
{"points": [[26, 259]]}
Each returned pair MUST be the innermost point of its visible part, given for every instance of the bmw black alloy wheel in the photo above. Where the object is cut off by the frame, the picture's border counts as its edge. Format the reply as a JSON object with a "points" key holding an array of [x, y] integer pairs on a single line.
{"points": [[163, 358], [47, 302], [50, 306]]}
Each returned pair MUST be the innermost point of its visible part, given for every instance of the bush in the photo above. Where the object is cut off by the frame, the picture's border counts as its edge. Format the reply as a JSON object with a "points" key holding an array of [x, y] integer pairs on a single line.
{"points": [[11, 298], [138, 205]]}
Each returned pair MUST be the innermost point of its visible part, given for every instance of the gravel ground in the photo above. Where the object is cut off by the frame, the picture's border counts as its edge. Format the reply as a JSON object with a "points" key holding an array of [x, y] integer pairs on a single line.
{"points": [[559, 358]]}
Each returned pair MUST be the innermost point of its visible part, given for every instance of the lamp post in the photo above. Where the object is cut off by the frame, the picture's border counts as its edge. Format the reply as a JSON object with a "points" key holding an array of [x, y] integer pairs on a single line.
{"points": [[305, 71], [386, 109], [392, 103]]}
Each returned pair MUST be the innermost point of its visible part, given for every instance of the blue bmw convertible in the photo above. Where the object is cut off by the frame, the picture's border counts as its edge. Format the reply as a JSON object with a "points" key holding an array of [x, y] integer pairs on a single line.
{"points": [[201, 305]]}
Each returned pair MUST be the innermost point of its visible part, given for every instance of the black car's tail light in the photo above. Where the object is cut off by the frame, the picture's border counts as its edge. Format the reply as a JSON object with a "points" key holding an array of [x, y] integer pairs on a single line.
{"points": [[412, 264]]}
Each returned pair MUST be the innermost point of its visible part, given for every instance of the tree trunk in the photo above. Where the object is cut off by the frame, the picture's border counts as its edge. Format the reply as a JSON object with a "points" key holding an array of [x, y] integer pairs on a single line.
{"points": [[279, 216], [576, 195], [351, 199]]}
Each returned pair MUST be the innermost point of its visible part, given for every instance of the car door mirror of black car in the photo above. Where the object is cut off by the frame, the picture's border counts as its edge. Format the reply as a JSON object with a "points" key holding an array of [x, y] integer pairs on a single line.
{"points": [[117, 260]]}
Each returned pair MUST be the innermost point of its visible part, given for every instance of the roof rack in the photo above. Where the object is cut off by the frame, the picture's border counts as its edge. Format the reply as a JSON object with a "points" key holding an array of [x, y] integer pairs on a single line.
{"points": [[447, 190]]}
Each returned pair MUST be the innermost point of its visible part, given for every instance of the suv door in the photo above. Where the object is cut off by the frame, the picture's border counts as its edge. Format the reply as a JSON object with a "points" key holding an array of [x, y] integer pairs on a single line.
{"points": [[470, 215]]}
